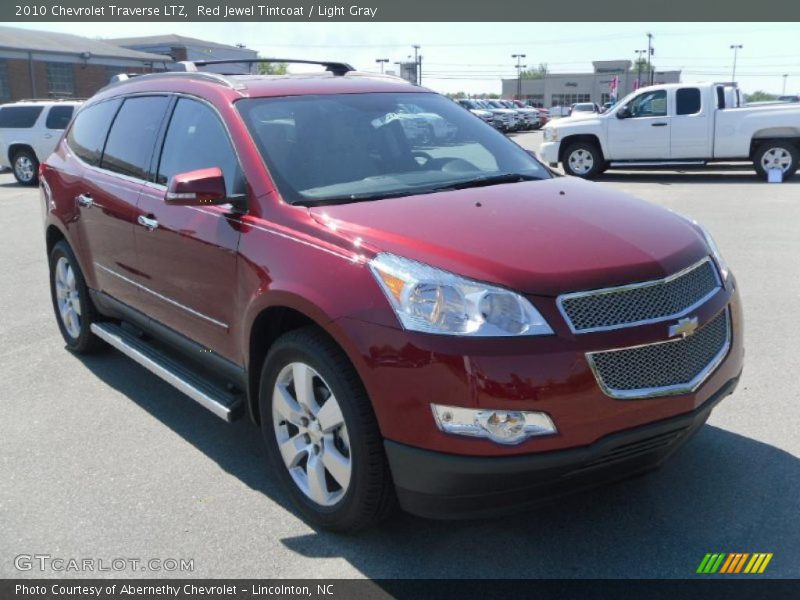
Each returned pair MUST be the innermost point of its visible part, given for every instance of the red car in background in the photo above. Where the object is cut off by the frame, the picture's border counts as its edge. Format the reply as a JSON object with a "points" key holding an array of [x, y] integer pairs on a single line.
{"points": [[441, 323]]}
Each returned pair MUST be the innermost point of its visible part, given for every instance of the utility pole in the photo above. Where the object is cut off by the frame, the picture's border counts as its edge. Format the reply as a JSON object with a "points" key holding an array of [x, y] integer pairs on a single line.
{"points": [[381, 61], [735, 48], [650, 51], [416, 62], [519, 66], [785, 75], [639, 67]]}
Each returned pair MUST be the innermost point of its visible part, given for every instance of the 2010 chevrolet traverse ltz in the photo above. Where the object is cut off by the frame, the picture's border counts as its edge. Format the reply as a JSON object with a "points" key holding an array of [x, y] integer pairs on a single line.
{"points": [[410, 305]]}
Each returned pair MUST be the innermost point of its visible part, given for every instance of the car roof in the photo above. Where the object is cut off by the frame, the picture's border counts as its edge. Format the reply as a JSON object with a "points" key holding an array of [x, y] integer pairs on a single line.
{"points": [[260, 86], [42, 102]]}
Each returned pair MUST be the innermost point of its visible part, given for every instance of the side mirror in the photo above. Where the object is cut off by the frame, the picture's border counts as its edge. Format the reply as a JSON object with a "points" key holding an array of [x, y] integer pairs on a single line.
{"points": [[624, 113], [196, 188]]}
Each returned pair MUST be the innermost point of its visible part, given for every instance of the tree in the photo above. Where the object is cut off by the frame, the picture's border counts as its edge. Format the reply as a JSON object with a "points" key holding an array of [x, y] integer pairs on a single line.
{"points": [[273, 68], [759, 96], [537, 73], [640, 65]]}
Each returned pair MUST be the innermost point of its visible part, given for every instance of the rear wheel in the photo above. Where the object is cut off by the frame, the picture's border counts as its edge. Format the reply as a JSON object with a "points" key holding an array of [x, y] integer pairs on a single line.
{"points": [[25, 167], [583, 159], [776, 155], [321, 433], [74, 310]]}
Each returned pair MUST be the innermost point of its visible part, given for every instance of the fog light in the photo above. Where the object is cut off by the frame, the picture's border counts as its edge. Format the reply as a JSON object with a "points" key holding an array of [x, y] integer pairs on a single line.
{"points": [[501, 426]]}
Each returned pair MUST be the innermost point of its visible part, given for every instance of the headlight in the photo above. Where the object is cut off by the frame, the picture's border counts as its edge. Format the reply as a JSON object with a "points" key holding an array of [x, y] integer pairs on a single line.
{"points": [[501, 426], [715, 253], [550, 134], [430, 300]]}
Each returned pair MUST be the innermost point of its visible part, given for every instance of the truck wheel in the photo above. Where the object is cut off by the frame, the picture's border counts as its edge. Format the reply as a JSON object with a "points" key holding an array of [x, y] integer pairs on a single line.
{"points": [[583, 159], [74, 310], [777, 154], [321, 433], [25, 167]]}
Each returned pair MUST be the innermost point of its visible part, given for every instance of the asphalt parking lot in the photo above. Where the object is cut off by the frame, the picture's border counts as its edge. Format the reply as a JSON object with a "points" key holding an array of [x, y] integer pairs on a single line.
{"points": [[100, 459]]}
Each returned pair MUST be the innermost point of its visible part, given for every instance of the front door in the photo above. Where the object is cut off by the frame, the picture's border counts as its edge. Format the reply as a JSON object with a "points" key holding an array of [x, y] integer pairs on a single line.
{"points": [[645, 133], [187, 254]]}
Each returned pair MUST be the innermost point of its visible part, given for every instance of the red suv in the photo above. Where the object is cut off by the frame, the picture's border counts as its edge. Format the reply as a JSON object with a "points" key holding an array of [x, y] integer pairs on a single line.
{"points": [[435, 320]]}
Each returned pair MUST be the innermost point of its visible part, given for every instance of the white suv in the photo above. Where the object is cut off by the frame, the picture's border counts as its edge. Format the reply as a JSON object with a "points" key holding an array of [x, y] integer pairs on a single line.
{"points": [[29, 132]]}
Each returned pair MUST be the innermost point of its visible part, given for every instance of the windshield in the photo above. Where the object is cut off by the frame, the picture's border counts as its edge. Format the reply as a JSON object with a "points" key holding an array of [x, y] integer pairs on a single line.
{"points": [[349, 147]]}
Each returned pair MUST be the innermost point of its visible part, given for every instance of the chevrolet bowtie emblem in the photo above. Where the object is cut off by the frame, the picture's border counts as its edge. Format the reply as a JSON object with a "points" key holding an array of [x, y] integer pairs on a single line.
{"points": [[684, 327]]}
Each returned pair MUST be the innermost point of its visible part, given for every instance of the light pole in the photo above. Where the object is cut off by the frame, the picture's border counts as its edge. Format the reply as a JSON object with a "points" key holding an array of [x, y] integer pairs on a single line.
{"points": [[416, 62], [735, 48], [649, 55], [785, 75], [639, 67], [381, 61], [520, 66]]}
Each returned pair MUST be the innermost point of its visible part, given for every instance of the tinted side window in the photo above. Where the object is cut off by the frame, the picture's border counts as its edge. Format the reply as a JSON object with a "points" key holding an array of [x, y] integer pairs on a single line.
{"points": [[19, 117], [649, 104], [88, 133], [196, 139], [133, 135], [687, 101], [59, 116]]}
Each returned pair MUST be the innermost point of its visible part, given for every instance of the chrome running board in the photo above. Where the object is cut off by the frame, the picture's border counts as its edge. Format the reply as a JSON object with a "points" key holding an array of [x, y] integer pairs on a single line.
{"points": [[174, 371]]}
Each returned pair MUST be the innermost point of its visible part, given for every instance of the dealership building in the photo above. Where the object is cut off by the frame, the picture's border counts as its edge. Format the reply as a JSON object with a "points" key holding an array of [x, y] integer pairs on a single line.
{"points": [[180, 47], [43, 64], [564, 89]]}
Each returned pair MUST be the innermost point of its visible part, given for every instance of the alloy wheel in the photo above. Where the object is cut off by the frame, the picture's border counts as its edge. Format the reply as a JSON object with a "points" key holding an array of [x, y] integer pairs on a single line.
{"points": [[311, 434], [776, 158], [581, 161], [68, 297], [24, 169]]}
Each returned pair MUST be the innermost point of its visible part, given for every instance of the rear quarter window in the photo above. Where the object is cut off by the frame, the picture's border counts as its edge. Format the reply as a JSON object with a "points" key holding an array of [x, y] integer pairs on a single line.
{"points": [[59, 116], [19, 117], [687, 101], [88, 133]]}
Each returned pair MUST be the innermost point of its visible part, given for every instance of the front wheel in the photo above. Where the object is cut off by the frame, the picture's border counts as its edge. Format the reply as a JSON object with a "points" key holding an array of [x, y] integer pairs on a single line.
{"points": [[776, 155], [321, 433], [74, 310], [582, 159]]}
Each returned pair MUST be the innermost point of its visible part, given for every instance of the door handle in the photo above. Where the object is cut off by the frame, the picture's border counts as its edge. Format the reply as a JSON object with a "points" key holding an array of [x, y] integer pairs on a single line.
{"points": [[85, 200], [658, 124], [47, 136], [148, 222]]}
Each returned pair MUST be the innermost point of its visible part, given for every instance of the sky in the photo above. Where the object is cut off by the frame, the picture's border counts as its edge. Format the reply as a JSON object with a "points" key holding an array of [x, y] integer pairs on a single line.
{"points": [[472, 57]]}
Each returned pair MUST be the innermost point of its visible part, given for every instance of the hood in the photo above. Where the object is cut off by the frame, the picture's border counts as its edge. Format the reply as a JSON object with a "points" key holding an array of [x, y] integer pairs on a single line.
{"points": [[539, 237]]}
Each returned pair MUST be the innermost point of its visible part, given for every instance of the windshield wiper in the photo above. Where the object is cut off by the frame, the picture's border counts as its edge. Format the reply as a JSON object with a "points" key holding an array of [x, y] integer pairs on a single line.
{"points": [[362, 197], [486, 180]]}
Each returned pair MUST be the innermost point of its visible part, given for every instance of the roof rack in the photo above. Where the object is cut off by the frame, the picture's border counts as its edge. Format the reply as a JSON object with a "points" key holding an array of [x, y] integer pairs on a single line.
{"points": [[337, 68], [204, 75]]}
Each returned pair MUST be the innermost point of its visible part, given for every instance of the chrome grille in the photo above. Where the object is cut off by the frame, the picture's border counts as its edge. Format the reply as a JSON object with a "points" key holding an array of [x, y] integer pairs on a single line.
{"points": [[625, 306], [676, 366]]}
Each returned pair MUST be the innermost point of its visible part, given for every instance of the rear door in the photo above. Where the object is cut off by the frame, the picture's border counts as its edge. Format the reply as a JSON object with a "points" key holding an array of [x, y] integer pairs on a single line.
{"points": [[107, 192], [187, 256], [645, 134], [692, 134]]}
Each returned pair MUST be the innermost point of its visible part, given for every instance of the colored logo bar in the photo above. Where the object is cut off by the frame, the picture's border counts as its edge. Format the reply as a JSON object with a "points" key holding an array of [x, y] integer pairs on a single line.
{"points": [[734, 562]]}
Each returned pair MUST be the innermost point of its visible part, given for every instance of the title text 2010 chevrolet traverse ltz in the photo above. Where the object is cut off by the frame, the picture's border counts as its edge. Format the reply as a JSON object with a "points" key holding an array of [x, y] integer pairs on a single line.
{"points": [[432, 319]]}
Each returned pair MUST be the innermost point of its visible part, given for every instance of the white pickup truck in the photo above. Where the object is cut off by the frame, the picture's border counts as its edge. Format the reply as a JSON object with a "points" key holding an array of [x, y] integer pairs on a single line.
{"points": [[677, 125]]}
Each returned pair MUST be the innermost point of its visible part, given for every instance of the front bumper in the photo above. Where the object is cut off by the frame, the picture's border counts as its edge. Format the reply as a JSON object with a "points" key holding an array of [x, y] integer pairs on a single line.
{"points": [[449, 486], [548, 152]]}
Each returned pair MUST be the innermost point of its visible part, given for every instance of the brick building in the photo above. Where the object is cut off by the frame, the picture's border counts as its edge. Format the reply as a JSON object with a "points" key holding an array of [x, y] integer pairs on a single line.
{"points": [[43, 64]]}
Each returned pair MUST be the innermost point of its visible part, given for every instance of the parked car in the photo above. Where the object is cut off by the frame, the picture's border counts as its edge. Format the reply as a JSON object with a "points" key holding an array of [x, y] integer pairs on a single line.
{"points": [[537, 115], [678, 125], [29, 131], [529, 116], [505, 120], [451, 327], [791, 98], [475, 109], [559, 111], [585, 107], [514, 118], [544, 116]]}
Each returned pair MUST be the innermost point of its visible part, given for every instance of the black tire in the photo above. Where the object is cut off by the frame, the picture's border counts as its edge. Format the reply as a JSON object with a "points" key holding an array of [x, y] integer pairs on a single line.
{"points": [[370, 496], [25, 167], [783, 149], [81, 339], [590, 152]]}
